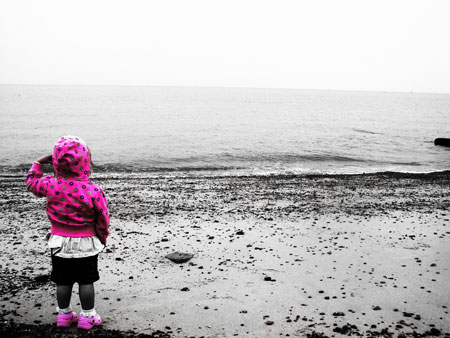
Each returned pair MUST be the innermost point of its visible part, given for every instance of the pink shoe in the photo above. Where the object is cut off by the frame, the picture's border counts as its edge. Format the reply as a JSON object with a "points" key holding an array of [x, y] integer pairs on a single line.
{"points": [[66, 319], [87, 323]]}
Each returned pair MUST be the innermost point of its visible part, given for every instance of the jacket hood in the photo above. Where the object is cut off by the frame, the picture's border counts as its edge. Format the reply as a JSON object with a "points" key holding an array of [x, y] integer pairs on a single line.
{"points": [[71, 158]]}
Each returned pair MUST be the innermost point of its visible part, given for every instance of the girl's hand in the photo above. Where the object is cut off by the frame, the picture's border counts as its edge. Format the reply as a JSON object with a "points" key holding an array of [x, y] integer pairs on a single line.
{"points": [[46, 159]]}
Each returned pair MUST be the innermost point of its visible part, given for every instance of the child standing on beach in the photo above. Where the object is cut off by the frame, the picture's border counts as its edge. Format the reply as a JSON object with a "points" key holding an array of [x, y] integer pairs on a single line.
{"points": [[79, 217]]}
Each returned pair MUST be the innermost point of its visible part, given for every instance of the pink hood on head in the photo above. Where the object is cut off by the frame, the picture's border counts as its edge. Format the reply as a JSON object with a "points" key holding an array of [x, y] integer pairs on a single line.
{"points": [[71, 158]]}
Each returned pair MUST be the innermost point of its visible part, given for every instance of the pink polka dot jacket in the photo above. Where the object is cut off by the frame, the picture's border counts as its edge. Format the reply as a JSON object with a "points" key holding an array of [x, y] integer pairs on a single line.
{"points": [[76, 207]]}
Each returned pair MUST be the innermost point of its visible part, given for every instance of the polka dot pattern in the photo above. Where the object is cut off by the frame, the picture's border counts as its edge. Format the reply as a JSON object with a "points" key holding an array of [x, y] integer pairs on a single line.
{"points": [[73, 201]]}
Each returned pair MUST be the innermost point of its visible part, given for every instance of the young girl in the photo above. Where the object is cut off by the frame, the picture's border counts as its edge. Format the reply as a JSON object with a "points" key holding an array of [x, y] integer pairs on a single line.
{"points": [[79, 218]]}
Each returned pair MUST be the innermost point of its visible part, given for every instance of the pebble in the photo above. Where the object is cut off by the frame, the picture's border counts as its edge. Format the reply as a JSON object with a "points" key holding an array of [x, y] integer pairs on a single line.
{"points": [[269, 279], [179, 257]]}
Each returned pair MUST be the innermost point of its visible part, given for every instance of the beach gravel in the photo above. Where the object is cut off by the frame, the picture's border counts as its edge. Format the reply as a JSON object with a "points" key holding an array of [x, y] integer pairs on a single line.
{"points": [[315, 256]]}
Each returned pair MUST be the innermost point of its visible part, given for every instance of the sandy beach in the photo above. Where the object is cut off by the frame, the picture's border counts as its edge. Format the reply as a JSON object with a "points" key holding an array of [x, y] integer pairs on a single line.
{"points": [[299, 256]]}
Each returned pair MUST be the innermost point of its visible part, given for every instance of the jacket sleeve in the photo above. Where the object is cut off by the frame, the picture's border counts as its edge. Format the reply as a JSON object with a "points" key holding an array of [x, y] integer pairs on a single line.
{"points": [[37, 184], [102, 212]]}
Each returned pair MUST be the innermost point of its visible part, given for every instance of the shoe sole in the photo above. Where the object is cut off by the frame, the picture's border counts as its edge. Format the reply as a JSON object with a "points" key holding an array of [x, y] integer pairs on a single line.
{"points": [[87, 326], [65, 323]]}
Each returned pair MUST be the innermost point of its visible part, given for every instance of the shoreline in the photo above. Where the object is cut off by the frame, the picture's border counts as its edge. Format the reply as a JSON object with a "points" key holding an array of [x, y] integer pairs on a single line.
{"points": [[194, 174], [346, 254]]}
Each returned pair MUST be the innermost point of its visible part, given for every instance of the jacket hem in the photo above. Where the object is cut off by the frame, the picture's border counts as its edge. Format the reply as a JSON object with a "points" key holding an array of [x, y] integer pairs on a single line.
{"points": [[73, 230]]}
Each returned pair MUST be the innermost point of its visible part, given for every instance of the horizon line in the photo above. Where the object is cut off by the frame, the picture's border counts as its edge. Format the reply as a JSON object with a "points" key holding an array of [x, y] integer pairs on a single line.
{"points": [[223, 86]]}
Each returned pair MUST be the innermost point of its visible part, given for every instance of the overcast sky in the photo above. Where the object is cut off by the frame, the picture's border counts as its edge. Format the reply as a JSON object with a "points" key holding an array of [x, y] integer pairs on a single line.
{"points": [[395, 45]]}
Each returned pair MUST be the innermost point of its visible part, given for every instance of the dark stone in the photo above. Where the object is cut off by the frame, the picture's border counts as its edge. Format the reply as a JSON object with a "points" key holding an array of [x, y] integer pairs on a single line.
{"points": [[269, 279], [442, 142], [179, 257], [315, 334], [240, 232], [347, 329], [433, 332]]}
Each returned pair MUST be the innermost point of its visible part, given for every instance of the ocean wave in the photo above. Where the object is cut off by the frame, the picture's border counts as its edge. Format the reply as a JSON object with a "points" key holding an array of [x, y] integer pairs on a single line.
{"points": [[259, 163], [363, 131]]}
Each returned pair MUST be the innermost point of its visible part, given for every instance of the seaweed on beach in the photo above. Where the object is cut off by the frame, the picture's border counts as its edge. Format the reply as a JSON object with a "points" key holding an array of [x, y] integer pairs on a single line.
{"points": [[12, 282], [20, 330]]}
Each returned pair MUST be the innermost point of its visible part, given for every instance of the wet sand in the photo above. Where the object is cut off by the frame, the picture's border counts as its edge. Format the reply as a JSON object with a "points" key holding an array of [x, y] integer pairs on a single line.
{"points": [[273, 256]]}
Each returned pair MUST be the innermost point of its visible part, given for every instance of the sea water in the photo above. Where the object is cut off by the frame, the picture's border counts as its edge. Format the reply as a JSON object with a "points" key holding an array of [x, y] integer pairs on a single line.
{"points": [[227, 130]]}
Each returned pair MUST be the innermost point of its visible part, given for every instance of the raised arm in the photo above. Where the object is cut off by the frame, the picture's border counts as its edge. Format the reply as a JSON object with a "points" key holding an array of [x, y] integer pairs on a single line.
{"points": [[37, 184]]}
